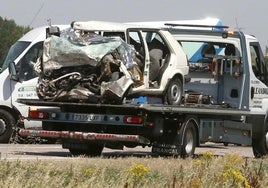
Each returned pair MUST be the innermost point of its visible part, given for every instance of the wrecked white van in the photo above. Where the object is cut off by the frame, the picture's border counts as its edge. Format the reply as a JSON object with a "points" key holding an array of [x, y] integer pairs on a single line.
{"points": [[104, 62]]}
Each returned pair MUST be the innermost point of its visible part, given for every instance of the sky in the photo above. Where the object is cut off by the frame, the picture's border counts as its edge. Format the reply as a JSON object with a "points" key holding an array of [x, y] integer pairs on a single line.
{"points": [[248, 15]]}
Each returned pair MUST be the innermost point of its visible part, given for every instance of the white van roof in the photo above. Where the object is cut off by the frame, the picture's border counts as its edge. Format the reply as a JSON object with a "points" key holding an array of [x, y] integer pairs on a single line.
{"points": [[104, 26], [39, 33]]}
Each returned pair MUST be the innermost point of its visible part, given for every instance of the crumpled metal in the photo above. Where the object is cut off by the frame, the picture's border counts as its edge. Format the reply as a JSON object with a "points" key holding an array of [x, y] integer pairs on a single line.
{"points": [[60, 52], [85, 67]]}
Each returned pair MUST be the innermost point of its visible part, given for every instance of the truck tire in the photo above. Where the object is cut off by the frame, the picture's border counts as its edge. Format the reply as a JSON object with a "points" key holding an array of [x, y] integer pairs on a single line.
{"points": [[189, 140], [92, 151], [266, 143], [174, 92], [259, 147], [7, 122], [260, 142]]}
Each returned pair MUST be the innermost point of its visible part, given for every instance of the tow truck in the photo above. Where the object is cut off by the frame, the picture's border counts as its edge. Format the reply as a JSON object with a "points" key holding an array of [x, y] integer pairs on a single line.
{"points": [[225, 100]]}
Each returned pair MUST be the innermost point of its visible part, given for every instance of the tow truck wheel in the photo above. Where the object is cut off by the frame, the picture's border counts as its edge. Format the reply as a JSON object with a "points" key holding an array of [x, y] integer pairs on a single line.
{"points": [[189, 141], [93, 150], [7, 121], [259, 146], [174, 92], [266, 143]]}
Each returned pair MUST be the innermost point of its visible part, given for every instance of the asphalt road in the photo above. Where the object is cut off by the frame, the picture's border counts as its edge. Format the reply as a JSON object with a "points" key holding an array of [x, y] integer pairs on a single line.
{"points": [[55, 151]]}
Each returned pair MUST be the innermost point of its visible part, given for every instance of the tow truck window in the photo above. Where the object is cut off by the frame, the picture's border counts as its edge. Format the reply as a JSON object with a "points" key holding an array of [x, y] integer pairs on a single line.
{"points": [[25, 65], [195, 49], [259, 66]]}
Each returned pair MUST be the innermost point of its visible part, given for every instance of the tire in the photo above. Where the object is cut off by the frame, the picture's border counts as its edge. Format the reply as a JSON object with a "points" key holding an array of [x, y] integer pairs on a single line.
{"points": [[92, 151], [266, 142], [259, 146], [189, 141], [7, 122], [174, 91]]}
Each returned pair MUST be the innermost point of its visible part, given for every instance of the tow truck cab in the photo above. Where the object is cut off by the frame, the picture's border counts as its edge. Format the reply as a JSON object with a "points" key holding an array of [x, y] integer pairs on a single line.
{"points": [[231, 67]]}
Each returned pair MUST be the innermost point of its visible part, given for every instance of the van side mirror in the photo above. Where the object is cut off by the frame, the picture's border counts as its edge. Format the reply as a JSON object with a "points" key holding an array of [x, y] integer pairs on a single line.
{"points": [[12, 72]]}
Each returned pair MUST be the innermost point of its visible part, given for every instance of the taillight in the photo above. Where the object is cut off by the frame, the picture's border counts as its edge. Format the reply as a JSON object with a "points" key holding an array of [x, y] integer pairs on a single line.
{"points": [[133, 119], [36, 114]]}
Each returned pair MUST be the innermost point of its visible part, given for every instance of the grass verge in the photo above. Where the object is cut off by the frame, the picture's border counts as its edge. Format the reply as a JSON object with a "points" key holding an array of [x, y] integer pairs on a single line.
{"points": [[203, 171]]}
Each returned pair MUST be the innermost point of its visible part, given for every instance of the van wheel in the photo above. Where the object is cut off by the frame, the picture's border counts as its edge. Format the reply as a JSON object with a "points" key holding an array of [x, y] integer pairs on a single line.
{"points": [[174, 92], [7, 121], [189, 141]]}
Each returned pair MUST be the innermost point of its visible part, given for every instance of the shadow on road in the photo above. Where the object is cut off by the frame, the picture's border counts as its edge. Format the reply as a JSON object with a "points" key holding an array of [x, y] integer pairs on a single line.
{"points": [[217, 150], [49, 153]]}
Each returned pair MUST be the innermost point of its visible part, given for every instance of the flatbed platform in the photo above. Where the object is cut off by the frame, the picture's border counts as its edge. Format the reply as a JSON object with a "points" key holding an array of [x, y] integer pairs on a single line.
{"points": [[159, 108]]}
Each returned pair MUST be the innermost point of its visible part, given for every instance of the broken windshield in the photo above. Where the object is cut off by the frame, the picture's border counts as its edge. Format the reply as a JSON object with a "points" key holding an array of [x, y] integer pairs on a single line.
{"points": [[15, 50]]}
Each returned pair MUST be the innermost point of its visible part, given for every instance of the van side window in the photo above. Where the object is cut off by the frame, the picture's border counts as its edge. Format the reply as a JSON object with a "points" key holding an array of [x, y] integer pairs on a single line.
{"points": [[258, 64], [25, 65]]}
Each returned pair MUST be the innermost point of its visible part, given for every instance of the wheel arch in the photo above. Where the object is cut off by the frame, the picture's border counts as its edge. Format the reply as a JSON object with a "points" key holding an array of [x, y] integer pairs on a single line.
{"points": [[178, 75], [195, 121], [13, 111]]}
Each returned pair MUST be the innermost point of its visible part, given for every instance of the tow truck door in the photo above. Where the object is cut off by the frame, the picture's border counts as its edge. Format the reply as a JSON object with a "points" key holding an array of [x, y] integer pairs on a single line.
{"points": [[258, 78]]}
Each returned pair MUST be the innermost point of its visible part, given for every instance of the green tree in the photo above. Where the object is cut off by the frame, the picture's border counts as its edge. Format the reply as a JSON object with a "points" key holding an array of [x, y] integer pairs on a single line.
{"points": [[10, 32]]}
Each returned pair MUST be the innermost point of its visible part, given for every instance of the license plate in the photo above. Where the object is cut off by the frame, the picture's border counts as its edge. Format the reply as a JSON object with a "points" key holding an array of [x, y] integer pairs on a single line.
{"points": [[87, 117]]}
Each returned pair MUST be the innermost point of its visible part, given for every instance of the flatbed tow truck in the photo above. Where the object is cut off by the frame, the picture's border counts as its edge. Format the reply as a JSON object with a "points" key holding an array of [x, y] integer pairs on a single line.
{"points": [[226, 101]]}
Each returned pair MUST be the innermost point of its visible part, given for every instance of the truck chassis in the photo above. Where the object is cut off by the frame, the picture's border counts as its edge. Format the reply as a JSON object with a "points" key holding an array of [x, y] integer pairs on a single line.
{"points": [[170, 130]]}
